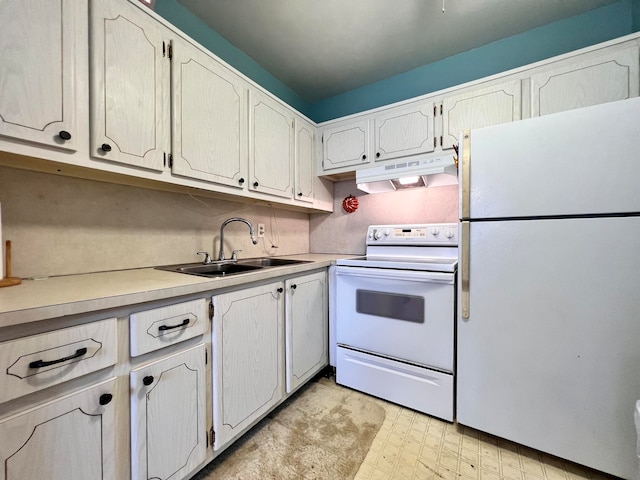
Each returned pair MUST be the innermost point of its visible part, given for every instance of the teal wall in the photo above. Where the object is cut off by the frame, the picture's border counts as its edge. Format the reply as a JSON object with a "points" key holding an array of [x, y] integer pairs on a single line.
{"points": [[599, 25], [186, 21]]}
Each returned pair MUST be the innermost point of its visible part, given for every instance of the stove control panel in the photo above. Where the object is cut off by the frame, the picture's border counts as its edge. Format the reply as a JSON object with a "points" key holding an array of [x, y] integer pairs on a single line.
{"points": [[417, 234]]}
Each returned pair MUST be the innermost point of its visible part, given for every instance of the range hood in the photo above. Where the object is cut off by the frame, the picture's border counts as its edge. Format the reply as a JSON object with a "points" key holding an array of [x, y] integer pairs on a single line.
{"points": [[429, 171]]}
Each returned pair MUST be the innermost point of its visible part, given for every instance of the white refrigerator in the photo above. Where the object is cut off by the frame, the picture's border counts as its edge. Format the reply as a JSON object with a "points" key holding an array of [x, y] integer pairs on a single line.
{"points": [[548, 325]]}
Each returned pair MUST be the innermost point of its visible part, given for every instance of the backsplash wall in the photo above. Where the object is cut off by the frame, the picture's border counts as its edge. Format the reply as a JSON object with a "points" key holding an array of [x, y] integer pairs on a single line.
{"points": [[342, 232], [60, 225]]}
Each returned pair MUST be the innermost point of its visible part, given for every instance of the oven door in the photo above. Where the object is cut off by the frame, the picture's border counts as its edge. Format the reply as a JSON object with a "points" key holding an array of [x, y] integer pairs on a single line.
{"points": [[402, 314]]}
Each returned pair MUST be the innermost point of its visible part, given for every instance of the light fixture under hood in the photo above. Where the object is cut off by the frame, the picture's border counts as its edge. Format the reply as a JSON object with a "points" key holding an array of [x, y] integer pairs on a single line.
{"points": [[432, 171]]}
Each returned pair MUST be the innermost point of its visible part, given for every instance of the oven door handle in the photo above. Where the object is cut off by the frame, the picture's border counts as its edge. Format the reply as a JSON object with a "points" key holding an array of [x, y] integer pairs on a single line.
{"points": [[390, 274]]}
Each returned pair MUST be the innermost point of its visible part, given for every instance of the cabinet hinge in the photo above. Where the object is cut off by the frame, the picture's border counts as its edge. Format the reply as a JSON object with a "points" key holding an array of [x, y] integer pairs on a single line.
{"points": [[435, 110], [170, 52], [440, 140], [164, 49], [164, 159], [170, 161], [435, 142], [440, 109], [212, 436], [206, 357], [211, 311]]}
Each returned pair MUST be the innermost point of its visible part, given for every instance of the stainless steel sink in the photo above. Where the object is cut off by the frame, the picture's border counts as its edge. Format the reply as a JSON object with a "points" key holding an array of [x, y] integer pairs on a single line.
{"points": [[229, 267], [270, 261]]}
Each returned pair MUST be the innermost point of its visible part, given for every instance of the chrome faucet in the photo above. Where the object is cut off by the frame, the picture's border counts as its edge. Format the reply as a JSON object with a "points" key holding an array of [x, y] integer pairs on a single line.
{"points": [[227, 222]]}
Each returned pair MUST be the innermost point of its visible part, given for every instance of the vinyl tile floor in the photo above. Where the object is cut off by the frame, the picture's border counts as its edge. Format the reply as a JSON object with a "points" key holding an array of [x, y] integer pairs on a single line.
{"points": [[414, 446]]}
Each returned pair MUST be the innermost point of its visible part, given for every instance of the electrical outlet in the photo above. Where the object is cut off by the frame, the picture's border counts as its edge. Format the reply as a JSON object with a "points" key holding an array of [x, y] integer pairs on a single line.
{"points": [[260, 230]]}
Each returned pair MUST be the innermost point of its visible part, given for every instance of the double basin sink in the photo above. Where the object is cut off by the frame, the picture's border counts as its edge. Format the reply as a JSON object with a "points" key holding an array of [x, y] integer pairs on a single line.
{"points": [[230, 267]]}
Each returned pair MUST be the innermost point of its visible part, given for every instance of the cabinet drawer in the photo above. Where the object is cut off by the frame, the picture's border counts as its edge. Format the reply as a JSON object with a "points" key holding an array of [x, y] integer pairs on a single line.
{"points": [[32, 363], [164, 326]]}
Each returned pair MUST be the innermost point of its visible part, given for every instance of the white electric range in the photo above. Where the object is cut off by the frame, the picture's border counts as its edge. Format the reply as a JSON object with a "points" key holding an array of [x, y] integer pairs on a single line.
{"points": [[395, 316]]}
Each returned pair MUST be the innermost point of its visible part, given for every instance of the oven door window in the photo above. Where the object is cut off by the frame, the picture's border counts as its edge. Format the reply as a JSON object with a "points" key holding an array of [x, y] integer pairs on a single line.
{"points": [[390, 305]]}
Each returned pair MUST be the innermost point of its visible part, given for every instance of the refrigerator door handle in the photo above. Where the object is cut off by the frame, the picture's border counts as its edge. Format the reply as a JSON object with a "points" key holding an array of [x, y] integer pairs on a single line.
{"points": [[465, 191], [464, 267]]}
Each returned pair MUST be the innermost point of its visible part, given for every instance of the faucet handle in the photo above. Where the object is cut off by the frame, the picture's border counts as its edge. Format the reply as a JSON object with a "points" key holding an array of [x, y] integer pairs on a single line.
{"points": [[207, 257], [234, 254]]}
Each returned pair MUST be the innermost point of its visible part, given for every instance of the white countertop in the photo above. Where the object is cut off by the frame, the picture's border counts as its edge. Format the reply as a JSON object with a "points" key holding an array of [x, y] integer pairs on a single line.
{"points": [[35, 300]]}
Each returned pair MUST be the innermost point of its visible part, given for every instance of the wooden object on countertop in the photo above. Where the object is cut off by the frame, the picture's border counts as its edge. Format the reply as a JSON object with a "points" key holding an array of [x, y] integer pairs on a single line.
{"points": [[8, 281]]}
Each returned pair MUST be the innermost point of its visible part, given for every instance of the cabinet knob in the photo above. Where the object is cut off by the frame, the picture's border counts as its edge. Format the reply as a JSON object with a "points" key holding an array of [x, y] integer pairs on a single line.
{"points": [[241, 181], [377, 154], [105, 398], [280, 290], [294, 286], [105, 147], [255, 184], [148, 380], [364, 157], [64, 135], [299, 194]]}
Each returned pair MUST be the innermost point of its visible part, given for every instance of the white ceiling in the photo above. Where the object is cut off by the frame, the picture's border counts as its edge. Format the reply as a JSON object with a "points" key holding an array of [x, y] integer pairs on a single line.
{"points": [[321, 48]]}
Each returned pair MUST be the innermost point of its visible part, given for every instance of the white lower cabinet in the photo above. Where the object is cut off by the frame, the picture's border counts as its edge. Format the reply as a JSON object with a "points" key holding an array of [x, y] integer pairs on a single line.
{"points": [[168, 423], [306, 327], [248, 360], [70, 438], [251, 348]]}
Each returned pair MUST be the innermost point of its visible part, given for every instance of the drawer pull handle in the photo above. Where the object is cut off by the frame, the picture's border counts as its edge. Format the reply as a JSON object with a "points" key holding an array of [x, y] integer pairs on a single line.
{"points": [[162, 328], [41, 363]]}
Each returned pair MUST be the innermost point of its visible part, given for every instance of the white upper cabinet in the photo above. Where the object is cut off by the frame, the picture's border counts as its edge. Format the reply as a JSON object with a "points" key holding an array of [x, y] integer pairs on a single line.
{"points": [[476, 107], [129, 85], [38, 73], [209, 118], [304, 161], [403, 132], [271, 146], [346, 145], [590, 81]]}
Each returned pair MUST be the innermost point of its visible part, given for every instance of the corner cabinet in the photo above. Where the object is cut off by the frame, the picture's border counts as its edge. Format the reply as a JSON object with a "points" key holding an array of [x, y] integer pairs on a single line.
{"points": [[346, 145], [71, 438], [248, 363], [271, 146], [129, 86], [304, 167], [168, 423], [209, 120], [38, 41], [307, 324]]}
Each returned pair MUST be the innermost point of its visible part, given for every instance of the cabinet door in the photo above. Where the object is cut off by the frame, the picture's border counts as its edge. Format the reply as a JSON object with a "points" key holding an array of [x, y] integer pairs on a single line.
{"points": [[248, 364], [271, 147], [209, 118], [307, 325], [346, 145], [168, 423], [71, 438], [38, 45], [592, 81], [305, 161], [403, 132], [479, 107], [129, 85]]}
